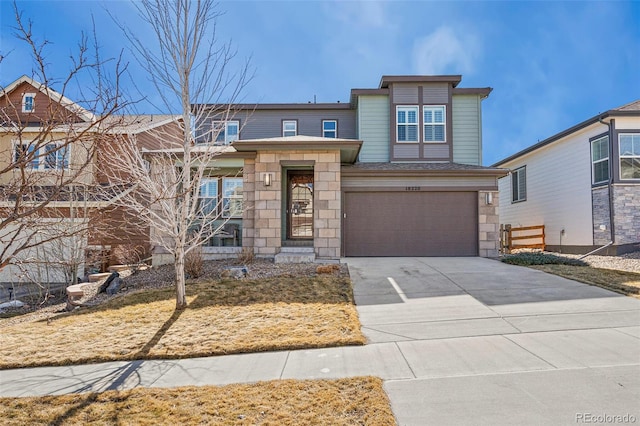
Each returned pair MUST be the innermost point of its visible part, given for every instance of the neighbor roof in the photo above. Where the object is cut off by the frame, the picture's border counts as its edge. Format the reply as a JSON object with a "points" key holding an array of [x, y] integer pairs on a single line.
{"points": [[629, 110]]}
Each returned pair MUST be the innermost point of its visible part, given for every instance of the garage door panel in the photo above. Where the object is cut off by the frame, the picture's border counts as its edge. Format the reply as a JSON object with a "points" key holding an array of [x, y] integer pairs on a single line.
{"points": [[411, 224]]}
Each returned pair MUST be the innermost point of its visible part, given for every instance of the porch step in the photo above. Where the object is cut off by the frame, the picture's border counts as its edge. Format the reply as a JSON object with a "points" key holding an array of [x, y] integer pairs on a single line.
{"points": [[295, 255]]}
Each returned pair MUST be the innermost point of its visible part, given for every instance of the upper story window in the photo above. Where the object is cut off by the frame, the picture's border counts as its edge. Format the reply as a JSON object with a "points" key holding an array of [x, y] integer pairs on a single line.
{"points": [[28, 102], [434, 123], [600, 160], [629, 156], [52, 156], [407, 124], [519, 184], [226, 131], [289, 128], [329, 129]]}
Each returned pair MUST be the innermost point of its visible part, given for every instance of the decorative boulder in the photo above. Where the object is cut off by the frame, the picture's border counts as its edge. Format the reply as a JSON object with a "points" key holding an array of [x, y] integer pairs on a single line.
{"points": [[108, 282], [114, 287]]}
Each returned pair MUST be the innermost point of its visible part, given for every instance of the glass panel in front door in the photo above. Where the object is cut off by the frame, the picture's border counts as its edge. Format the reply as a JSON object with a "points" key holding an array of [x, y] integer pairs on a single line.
{"points": [[300, 205]]}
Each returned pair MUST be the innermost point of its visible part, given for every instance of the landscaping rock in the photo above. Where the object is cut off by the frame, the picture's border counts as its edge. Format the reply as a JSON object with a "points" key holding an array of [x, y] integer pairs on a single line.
{"points": [[107, 282], [237, 273], [115, 285]]}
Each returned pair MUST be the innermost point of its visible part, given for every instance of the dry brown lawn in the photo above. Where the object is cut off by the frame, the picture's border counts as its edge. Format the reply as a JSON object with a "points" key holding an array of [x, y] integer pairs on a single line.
{"points": [[355, 401], [627, 283], [223, 317]]}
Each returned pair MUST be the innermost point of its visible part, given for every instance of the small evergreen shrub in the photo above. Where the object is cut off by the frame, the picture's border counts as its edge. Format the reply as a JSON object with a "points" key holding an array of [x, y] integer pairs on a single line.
{"points": [[540, 258]]}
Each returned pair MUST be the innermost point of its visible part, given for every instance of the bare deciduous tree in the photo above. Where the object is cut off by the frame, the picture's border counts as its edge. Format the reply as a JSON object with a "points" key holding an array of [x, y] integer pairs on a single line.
{"points": [[47, 148], [189, 69]]}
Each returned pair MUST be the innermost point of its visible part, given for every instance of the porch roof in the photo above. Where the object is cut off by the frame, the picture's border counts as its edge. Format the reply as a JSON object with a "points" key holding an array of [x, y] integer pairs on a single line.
{"points": [[349, 148]]}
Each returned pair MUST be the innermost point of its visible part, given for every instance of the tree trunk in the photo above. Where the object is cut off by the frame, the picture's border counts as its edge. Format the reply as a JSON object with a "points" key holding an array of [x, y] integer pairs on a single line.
{"points": [[181, 294]]}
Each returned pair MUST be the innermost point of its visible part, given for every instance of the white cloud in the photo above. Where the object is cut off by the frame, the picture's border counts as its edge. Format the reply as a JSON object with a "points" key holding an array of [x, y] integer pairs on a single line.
{"points": [[362, 15], [445, 52]]}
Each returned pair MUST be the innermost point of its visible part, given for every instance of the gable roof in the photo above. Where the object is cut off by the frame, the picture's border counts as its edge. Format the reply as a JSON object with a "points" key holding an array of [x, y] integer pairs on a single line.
{"points": [[57, 97], [628, 110]]}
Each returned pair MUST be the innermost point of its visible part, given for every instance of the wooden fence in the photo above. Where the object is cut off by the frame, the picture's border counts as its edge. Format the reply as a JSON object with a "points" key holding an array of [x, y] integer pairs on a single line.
{"points": [[508, 235]]}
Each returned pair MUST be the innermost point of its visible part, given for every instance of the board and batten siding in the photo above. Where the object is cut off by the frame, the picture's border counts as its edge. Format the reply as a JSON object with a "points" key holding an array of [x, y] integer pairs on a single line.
{"points": [[261, 124], [558, 190], [373, 128], [467, 130]]}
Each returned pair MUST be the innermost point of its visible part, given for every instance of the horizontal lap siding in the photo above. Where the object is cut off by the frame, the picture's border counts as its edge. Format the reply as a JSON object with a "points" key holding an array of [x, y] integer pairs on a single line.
{"points": [[558, 189], [373, 128], [467, 130], [261, 124]]}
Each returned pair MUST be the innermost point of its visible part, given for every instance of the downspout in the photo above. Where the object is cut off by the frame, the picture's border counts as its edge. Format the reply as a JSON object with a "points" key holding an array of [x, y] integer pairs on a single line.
{"points": [[612, 227]]}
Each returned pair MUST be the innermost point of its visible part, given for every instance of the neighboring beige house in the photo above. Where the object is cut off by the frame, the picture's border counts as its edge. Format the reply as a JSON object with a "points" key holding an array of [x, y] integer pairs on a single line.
{"points": [[583, 184], [396, 171], [35, 123]]}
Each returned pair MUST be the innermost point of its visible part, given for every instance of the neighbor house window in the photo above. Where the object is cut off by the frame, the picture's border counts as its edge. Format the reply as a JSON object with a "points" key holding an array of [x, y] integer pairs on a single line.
{"points": [[28, 102], [407, 124], [208, 197], [519, 184], [434, 123], [232, 197], [226, 132], [629, 156], [51, 156], [600, 159], [329, 129], [289, 128]]}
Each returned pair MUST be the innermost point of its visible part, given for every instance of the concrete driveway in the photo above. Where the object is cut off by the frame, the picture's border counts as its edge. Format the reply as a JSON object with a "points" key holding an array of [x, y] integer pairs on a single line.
{"points": [[489, 343]]}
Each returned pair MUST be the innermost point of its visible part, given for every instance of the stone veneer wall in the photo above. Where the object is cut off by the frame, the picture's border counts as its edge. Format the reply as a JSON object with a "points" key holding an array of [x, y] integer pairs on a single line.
{"points": [[248, 190], [626, 207], [265, 234], [600, 211], [488, 225]]}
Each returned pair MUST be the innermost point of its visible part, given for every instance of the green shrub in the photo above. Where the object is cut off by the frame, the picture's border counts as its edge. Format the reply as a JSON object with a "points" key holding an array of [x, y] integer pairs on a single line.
{"points": [[539, 258]]}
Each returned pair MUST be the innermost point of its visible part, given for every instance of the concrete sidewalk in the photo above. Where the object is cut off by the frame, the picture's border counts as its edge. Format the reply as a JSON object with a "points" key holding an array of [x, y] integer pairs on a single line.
{"points": [[458, 341]]}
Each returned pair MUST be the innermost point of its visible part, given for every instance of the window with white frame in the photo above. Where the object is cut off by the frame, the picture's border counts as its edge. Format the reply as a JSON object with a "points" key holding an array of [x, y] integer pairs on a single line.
{"points": [[208, 197], [629, 155], [28, 102], [329, 128], [519, 184], [434, 123], [600, 160], [52, 156], [289, 128], [407, 124], [232, 197], [225, 132]]}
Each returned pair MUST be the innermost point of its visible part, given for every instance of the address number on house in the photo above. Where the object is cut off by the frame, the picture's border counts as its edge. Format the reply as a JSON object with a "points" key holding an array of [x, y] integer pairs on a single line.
{"points": [[412, 188]]}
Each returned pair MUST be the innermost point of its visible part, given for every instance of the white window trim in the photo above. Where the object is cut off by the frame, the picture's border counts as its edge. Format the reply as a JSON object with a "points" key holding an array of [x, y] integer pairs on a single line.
{"points": [[336, 129], [517, 172], [215, 124], [295, 127], [625, 156], [443, 124], [593, 163], [40, 156], [417, 123], [216, 197], [225, 212], [33, 102]]}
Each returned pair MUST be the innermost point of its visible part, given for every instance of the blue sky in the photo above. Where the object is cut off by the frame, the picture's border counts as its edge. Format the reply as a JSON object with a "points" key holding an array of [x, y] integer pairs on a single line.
{"points": [[551, 64]]}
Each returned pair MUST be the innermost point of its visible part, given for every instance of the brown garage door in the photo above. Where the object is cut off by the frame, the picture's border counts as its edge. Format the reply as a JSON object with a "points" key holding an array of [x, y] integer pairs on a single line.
{"points": [[411, 224]]}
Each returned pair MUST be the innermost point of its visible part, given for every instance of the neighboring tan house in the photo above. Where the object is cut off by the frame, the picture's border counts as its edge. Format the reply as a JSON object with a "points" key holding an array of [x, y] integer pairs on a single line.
{"points": [[394, 172], [583, 184], [35, 122]]}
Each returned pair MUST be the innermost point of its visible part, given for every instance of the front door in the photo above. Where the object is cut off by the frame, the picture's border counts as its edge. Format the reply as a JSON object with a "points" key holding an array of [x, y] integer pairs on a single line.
{"points": [[300, 205]]}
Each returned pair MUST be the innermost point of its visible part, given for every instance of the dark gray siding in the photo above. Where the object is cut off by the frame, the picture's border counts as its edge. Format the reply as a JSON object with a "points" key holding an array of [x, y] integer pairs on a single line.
{"points": [[268, 123]]}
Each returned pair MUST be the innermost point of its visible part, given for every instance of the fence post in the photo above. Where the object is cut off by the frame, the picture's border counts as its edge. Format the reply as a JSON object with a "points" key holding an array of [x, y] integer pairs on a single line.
{"points": [[509, 235]]}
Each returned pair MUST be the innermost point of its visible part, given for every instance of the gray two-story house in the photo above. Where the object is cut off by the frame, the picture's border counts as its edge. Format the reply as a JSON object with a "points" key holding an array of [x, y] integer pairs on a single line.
{"points": [[396, 171]]}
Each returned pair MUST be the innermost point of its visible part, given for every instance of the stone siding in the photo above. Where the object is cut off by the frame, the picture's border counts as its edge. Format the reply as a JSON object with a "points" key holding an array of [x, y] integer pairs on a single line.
{"points": [[626, 207], [601, 217], [267, 214], [488, 225]]}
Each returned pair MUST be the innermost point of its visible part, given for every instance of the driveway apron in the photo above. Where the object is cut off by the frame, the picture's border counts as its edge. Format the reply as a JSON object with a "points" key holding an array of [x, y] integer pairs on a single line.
{"points": [[490, 343]]}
